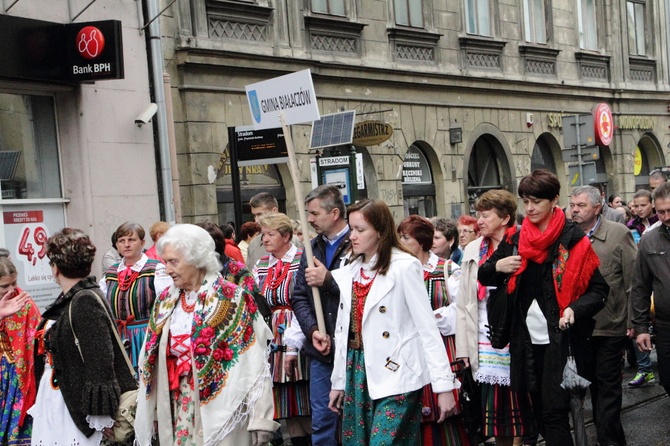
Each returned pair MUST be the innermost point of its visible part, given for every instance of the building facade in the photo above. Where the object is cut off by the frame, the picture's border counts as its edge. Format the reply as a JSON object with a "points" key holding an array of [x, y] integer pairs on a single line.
{"points": [[71, 153], [475, 90]]}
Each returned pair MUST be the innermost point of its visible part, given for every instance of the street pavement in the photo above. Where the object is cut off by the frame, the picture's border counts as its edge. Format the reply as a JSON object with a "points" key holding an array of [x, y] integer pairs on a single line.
{"points": [[645, 412]]}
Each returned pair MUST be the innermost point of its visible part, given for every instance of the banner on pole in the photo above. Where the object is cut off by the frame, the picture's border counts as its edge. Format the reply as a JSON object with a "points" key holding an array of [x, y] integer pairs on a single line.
{"points": [[292, 94]]}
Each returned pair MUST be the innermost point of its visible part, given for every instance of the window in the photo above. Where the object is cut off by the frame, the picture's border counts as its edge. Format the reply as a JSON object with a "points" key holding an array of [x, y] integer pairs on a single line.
{"points": [[636, 40], [534, 21], [588, 29], [29, 165], [478, 17], [332, 7], [409, 13]]}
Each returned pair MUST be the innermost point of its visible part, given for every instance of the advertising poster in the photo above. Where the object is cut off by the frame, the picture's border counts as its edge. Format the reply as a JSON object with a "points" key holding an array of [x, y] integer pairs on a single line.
{"points": [[339, 178], [27, 229]]}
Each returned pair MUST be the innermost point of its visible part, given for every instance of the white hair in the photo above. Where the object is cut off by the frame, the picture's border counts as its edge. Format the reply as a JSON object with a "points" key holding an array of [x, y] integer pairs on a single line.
{"points": [[194, 244]]}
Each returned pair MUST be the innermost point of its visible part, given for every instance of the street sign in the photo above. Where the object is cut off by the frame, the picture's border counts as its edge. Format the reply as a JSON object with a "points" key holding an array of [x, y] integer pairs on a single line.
{"points": [[588, 172], [291, 95], [586, 133], [590, 153], [333, 130], [255, 147]]}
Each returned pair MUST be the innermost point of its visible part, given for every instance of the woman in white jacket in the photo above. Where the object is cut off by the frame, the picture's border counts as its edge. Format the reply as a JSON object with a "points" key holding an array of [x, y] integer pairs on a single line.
{"points": [[387, 344]]}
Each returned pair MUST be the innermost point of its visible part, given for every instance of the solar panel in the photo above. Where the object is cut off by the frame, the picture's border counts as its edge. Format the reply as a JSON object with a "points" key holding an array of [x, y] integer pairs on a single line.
{"points": [[333, 130]]}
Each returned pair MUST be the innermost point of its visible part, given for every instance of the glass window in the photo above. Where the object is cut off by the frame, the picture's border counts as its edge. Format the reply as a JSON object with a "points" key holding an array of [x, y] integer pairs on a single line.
{"points": [[29, 165], [477, 17], [534, 21], [409, 13], [333, 7], [588, 27], [636, 40]]}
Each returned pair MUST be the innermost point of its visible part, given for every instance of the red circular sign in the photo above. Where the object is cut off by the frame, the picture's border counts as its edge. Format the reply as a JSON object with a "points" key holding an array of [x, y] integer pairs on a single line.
{"points": [[603, 124], [90, 42]]}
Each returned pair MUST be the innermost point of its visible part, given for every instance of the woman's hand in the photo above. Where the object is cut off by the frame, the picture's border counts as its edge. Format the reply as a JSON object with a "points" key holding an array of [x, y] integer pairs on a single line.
{"points": [[465, 360], [10, 304], [568, 318], [336, 400], [447, 404], [508, 265], [290, 364], [108, 432]]}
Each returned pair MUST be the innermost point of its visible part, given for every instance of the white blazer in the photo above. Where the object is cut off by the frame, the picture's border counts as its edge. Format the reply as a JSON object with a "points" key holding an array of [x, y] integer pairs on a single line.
{"points": [[398, 331]]}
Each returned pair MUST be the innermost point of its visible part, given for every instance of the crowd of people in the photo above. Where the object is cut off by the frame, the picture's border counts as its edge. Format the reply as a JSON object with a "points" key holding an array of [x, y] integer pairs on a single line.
{"points": [[218, 340]]}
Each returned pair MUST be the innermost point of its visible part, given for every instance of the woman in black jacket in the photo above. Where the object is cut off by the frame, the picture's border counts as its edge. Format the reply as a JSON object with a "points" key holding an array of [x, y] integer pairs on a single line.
{"points": [[79, 386], [555, 283]]}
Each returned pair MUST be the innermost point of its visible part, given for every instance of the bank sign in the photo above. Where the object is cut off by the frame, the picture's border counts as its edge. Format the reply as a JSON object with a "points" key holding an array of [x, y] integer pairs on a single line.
{"points": [[291, 95], [56, 52], [94, 50]]}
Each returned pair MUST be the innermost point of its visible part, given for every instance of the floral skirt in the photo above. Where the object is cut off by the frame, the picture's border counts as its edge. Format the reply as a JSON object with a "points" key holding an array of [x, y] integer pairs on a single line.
{"points": [[183, 413], [11, 403], [393, 420]]}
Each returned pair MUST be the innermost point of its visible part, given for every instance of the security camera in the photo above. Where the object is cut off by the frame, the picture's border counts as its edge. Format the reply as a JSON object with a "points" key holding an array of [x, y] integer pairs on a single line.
{"points": [[146, 114]]}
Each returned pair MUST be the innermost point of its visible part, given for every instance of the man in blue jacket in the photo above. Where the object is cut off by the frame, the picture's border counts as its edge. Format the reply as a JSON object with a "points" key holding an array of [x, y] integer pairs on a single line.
{"points": [[326, 213]]}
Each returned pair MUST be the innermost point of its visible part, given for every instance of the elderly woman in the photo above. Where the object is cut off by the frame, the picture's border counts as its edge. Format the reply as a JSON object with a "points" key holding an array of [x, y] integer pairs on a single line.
{"points": [[235, 271], [468, 230], [19, 317], [445, 241], [387, 345], [203, 366], [80, 366], [132, 285], [554, 282], [275, 274], [441, 279], [506, 413]]}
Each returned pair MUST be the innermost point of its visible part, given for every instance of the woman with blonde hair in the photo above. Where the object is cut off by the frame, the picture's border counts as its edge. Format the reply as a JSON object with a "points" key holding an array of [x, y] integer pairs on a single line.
{"points": [[276, 275]]}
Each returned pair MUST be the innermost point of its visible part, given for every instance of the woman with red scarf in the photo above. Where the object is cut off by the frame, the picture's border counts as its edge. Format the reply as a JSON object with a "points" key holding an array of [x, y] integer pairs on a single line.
{"points": [[555, 283]]}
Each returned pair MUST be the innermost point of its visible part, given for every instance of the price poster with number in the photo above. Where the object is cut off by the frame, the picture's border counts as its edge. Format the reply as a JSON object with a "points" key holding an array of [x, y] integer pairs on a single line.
{"points": [[26, 234]]}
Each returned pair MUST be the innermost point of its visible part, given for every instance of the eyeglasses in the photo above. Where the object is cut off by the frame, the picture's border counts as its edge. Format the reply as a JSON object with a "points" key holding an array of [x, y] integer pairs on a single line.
{"points": [[465, 231]]}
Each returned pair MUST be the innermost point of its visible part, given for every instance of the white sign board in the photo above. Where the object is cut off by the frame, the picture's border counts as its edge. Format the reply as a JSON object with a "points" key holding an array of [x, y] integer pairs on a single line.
{"points": [[292, 94], [27, 228]]}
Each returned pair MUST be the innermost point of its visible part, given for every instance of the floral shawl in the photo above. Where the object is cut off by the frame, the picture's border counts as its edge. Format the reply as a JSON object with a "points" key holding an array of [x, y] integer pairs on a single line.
{"points": [[229, 343], [20, 329]]}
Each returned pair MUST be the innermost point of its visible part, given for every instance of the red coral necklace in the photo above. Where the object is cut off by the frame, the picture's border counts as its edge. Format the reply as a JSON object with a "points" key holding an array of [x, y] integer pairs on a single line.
{"points": [[185, 305]]}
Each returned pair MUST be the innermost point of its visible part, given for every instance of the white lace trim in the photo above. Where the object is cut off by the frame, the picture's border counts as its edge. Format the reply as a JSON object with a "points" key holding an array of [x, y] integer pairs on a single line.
{"points": [[99, 422], [493, 379], [246, 406]]}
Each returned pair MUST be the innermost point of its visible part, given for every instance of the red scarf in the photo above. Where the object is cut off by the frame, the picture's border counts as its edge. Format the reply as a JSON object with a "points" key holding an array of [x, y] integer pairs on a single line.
{"points": [[572, 269]]}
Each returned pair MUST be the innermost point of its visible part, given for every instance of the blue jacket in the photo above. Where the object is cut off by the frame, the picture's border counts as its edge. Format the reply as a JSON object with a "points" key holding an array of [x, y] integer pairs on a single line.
{"points": [[303, 300]]}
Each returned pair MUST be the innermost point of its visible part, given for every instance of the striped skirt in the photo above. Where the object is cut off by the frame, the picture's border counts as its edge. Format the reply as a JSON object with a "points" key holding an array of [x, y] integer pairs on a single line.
{"points": [[506, 413], [452, 431], [290, 392]]}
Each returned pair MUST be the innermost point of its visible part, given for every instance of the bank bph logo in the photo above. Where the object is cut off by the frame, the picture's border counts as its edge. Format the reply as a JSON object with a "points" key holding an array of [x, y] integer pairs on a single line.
{"points": [[255, 106], [90, 42]]}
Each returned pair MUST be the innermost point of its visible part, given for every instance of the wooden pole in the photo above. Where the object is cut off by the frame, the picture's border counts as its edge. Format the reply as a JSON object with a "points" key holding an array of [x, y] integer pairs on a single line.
{"points": [[300, 202]]}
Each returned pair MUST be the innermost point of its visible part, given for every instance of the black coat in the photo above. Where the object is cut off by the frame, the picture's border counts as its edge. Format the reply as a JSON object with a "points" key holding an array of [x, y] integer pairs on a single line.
{"points": [[536, 282], [94, 386], [302, 301]]}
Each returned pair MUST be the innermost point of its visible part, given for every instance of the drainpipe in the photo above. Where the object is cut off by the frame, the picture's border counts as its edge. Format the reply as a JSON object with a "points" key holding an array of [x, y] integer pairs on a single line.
{"points": [[173, 146], [156, 60]]}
